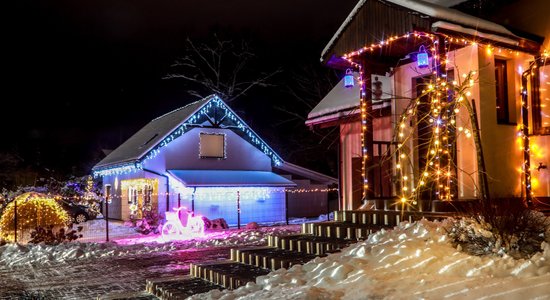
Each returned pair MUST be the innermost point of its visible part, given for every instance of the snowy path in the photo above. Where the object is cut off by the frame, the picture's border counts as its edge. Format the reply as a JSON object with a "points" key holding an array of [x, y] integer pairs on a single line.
{"points": [[87, 270], [87, 279]]}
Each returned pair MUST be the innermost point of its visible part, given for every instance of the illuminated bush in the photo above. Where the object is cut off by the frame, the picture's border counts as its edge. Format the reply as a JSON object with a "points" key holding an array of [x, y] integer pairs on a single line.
{"points": [[33, 210]]}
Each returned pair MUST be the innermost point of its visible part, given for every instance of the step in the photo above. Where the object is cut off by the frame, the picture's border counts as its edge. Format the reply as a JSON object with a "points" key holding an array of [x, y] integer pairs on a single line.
{"points": [[141, 295], [179, 287], [340, 230], [373, 217], [270, 257], [387, 217], [229, 274], [308, 244]]}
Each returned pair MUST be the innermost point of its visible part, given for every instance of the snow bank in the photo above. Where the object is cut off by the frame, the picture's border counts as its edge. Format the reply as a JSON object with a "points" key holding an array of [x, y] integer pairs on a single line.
{"points": [[412, 261], [13, 255]]}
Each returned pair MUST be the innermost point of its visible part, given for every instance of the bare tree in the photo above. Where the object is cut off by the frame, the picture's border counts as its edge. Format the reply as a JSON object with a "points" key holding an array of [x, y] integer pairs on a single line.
{"points": [[222, 67]]}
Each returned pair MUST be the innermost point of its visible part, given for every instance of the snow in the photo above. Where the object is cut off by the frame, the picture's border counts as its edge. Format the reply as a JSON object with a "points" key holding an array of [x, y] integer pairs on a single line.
{"points": [[338, 99], [473, 32], [12, 255], [339, 102], [433, 8], [411, 261]]}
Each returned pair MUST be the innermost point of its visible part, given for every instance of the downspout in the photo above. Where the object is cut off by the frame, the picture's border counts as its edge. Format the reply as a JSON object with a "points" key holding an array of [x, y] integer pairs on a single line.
{"points": [[167, 186]]}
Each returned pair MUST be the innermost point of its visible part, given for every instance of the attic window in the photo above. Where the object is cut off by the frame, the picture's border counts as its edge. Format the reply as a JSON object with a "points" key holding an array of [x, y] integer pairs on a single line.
{"points": [[212, 145], [149, 140]]}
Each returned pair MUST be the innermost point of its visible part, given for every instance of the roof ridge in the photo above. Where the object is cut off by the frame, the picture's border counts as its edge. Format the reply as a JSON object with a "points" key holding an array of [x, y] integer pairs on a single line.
{"points": [[183, 107]]}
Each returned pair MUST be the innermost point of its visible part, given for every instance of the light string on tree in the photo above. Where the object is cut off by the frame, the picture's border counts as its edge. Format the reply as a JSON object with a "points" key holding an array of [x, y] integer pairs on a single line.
{"points": [[442, 115]]}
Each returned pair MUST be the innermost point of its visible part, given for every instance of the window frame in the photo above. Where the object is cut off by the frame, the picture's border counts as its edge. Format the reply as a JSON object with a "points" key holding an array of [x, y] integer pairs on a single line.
{"points": [[224, 154], [501, 93], [536, 111]]}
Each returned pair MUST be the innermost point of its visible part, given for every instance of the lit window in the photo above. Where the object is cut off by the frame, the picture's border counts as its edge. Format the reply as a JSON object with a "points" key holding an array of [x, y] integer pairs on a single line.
{"points": [[501, 83], [212, 145], [541, 107]]}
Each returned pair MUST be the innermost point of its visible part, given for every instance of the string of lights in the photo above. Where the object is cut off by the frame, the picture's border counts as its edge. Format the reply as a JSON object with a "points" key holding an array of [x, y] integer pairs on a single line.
{"points": [[445, 102]]}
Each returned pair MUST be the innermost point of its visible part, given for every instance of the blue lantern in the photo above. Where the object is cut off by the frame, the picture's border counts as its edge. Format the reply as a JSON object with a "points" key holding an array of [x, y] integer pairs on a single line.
{"points": [[348, 79], [422, 58]]}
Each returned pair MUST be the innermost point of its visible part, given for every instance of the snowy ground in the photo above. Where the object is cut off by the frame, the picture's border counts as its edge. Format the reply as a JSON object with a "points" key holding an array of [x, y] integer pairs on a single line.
{"points": [[87, 270], [14, 255], [410, 262]]}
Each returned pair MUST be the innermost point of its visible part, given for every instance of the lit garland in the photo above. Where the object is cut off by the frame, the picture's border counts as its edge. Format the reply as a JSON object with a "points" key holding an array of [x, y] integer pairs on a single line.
{"points": [[442, 114], [118, 170], [196, 119], [362, 94], [33, 210]]}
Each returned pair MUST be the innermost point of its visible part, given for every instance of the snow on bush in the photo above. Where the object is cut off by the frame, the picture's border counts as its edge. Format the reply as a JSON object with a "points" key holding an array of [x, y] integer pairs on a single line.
{"points": [[413, 259], [500, 226]]}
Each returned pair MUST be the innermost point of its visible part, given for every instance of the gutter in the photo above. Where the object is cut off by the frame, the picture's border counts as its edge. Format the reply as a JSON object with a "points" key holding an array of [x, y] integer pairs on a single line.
{"points": [[167, 186]]}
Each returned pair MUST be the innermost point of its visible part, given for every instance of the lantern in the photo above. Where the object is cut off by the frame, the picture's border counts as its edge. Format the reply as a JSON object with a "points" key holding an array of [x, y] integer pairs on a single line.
{"points": [[422, 57], [348, 79]]}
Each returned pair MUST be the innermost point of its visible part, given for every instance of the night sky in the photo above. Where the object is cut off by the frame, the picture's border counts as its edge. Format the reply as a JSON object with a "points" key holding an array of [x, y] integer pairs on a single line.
{"points": [[81, 76]]}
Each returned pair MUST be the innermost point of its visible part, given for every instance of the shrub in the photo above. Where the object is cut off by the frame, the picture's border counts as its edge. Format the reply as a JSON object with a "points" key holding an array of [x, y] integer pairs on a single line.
{"points": [[33, 210], [149, 223], [500, 226], [48, 236]]}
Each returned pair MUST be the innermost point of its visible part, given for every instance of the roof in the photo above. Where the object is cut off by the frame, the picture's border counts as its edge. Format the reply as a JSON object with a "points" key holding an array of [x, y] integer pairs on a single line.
{"points": [[211, 178], [307, 173], [143, 141], [338, 99], [339, 103], [435, 9]]}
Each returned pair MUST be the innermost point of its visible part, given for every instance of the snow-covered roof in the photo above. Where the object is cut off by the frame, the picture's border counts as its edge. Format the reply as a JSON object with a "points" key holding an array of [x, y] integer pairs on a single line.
{"points": [[437, 9], [204, 178], [138, 145], [307, 173], [159, 132], [339, 98]]}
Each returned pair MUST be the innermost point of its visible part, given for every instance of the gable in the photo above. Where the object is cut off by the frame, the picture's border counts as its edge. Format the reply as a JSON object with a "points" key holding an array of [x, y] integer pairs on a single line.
{"points": [[147, 142], [374, 24]]}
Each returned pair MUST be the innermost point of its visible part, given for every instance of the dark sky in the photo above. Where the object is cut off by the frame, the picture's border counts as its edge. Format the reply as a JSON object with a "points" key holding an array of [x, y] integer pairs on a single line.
{"points": [[84, 75]]}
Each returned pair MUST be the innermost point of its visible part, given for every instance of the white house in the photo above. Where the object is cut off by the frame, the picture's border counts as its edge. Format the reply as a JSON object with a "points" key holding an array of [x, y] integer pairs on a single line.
{"points": [[204, 157]]}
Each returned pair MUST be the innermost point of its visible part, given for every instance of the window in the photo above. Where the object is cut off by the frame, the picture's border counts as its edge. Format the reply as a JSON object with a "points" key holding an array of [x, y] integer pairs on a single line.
{"points": [[501, 83], [541, 102], [212, 145]]}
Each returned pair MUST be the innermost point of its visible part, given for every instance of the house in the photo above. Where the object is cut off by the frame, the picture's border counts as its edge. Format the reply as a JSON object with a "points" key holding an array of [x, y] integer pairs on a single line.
{"points": [[446, 106], [206, 158]]}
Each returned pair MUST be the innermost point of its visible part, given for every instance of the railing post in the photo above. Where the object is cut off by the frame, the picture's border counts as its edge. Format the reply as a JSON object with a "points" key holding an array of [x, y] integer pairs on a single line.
{"points": [[15, 219], [238, 210]]}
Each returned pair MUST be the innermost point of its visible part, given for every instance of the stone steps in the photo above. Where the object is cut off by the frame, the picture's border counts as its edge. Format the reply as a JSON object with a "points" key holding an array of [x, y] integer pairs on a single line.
{"points": [[228, 274], [341, 230], [386, 217], [270, 257], [178, 287], [141, 295], [284, 251], [308, 243]]}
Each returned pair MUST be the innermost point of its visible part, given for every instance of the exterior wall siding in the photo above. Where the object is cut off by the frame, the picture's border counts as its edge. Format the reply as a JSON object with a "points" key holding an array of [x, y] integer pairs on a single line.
{"points": [[374, 22], [350, 143]]}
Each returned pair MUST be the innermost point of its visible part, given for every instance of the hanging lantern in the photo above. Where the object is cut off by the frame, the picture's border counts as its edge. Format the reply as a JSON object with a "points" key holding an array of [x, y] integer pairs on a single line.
{"points": [[422, 57], [348, 79]]}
